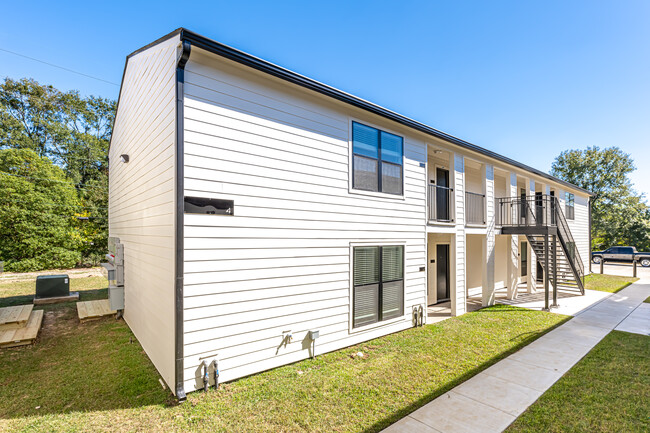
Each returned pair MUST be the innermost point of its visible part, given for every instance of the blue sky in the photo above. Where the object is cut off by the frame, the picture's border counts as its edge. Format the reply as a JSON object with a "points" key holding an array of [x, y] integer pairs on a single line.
{"points": [[527, 79]]}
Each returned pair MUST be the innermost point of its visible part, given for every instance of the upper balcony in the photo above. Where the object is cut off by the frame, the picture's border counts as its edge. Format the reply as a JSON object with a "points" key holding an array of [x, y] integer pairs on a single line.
{"points": [[440, 190], [535, 211]]}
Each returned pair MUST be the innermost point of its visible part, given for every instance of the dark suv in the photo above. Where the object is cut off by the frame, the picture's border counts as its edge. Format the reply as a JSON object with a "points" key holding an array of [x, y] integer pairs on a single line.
{"points": [[621, 254]]}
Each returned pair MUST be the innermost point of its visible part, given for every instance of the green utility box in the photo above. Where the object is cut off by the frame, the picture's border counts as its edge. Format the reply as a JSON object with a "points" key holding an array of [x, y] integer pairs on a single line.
{"points": [[52, 286]]}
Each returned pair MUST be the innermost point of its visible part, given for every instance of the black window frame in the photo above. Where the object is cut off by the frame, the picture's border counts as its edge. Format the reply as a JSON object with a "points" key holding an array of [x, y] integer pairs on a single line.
{"points": [[570, 206], [379, 161], [381, 282]]}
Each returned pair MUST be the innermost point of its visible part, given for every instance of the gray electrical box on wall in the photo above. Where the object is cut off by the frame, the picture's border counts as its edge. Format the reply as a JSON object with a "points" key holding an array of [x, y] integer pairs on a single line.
{"points": [[115, 273]]}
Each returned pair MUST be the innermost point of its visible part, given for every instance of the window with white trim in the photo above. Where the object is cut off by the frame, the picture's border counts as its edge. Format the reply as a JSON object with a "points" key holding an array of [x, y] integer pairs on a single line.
{"points": [[377, 160], [570, 206], [378, 287]]}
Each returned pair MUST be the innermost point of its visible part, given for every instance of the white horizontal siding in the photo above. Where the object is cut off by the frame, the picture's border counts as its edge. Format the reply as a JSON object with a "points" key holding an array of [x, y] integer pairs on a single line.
{"points": [[141, 199], [579, 227], [283, 261]]}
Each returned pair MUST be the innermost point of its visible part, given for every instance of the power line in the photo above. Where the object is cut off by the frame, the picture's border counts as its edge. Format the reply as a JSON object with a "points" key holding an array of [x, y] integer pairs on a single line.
{"points": [[57, 205], [54, 180], [54, 156], [40, 212], [77, 217], [65, 158], [55, 159], [57, 66]]}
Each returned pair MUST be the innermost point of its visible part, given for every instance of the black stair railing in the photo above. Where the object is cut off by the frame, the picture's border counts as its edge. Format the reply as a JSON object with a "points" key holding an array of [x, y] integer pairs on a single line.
{"points": [[542, 210], [569, 245]]}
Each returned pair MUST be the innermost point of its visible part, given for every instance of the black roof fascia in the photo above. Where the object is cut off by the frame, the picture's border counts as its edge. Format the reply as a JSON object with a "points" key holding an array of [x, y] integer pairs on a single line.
{"points": [[295, 78]]}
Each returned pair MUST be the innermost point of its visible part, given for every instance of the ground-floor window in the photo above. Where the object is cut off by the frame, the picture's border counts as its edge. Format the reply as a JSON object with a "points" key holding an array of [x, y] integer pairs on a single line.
{"points": [[378, 291]]}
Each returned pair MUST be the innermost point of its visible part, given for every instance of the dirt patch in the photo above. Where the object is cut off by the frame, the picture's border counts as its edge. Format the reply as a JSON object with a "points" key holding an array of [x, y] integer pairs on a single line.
{"points": [[57, 322]]}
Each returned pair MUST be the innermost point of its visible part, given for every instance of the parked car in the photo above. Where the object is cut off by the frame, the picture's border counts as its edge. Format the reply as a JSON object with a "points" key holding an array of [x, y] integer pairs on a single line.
{"points": [[621, 254]]}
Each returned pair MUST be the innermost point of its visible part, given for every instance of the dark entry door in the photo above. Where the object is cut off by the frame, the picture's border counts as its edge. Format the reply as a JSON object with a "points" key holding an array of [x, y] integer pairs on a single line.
{"points": [[552, 207], [524, 259], [539, 208], [442, 272], [442, 194]]}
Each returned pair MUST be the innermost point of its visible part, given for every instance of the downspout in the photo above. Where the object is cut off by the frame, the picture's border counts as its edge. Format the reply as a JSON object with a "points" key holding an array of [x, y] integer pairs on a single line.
{"points": [[183, 57]]}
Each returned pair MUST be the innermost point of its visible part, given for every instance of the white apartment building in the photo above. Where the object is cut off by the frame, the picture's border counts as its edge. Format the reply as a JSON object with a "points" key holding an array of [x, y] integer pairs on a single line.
{"points": [[257, 206]]}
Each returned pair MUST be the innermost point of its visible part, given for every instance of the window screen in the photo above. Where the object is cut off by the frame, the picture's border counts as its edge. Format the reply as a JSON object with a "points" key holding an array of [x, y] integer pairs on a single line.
{"points": [[377, 160], [378, 275]]}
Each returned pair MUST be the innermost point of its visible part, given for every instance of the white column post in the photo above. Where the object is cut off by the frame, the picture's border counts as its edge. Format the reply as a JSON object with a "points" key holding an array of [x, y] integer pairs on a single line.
{"points": [[531, 285], [458, 289], [513, 248], [489, 242], [546, 188]]}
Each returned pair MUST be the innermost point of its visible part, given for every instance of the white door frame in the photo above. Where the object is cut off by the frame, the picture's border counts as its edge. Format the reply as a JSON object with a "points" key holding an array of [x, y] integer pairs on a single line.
{"points": [[524, 278], [432, 280]]}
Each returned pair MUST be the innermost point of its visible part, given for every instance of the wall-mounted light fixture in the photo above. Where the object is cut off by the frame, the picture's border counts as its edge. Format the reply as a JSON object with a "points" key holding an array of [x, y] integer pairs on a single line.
{"points": [[124, 158]]}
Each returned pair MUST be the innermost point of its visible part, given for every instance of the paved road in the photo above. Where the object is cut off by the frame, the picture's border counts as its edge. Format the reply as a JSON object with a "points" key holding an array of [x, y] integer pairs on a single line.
{"points": [[623, 269]]}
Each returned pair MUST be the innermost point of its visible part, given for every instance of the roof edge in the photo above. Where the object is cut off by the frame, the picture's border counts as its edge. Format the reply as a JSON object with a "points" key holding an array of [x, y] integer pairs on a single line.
{"points": [[278, 71], [301, 80], [156, 42]]}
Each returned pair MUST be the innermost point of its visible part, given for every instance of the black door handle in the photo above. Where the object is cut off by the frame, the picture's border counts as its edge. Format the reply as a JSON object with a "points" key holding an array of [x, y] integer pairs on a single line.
{"points": [[433, 261]]}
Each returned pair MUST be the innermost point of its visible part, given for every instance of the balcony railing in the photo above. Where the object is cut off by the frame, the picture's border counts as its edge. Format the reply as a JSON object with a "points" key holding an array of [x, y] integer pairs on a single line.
{"points": [[541, 210], [439, 198], [474, 208], [526, 211]]}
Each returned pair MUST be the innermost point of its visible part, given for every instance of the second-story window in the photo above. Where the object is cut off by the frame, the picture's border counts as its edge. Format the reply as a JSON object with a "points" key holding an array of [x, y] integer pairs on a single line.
{"points": [[376, 160], [570, 206]]}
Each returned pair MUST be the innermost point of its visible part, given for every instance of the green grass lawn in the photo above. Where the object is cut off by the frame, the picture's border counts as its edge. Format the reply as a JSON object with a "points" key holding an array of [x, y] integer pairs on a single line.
{"points": [[647, 300], [607, 391], [607, 283], [95, 377], [21, 291]]}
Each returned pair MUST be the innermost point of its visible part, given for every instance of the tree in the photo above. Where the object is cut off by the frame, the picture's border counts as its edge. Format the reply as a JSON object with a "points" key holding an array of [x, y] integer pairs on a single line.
{"points": [[74, 133], [620, 216], [38, 210]]}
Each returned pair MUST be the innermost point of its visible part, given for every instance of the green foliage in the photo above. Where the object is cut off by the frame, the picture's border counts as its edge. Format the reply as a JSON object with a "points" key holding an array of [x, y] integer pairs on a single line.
{"points": [[620, 216], [73, 132], [37, 213]]}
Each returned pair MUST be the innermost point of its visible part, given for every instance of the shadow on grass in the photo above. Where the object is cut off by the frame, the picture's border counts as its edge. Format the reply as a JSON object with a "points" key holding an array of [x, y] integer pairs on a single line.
{"points": [[500, 309], [99, 366], [84, 295], [74, 367]]}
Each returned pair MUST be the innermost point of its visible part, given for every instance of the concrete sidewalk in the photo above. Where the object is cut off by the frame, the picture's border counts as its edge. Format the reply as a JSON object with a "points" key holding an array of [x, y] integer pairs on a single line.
{"points": [[494, 398]]}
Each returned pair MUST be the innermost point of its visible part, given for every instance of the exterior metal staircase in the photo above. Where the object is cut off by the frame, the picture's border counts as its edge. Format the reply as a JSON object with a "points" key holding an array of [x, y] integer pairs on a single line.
{"points": [[559, 264], [541, 220]]}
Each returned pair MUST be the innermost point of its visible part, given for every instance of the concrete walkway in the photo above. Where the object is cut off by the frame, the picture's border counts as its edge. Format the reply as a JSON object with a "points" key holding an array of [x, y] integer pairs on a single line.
{"points": [[494, 398]]}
